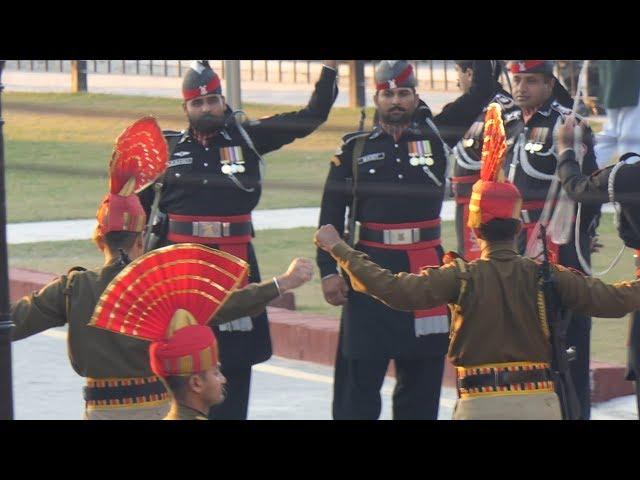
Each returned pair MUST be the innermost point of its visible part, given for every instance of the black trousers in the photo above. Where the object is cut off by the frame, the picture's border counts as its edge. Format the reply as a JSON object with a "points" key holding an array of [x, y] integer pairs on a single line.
{"points": [[236, 403], [357, 384]]}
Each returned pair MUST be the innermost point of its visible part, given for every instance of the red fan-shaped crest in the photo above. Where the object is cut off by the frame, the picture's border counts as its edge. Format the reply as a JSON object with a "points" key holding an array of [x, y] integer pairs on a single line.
{"points": [[140, 152], [141, 300], [494, 146]]}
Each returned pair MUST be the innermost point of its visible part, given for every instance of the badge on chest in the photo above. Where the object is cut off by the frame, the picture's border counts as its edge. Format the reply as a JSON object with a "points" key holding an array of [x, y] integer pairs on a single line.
{"points": [[232, 160], [536, 140], [420, 153]]}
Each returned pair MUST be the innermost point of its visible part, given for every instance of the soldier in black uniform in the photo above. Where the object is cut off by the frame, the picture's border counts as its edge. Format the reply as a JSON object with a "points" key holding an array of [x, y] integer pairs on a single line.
{"points": [[616, 183], [399, 182], [467, 153], [212, 184], [530, 117]]}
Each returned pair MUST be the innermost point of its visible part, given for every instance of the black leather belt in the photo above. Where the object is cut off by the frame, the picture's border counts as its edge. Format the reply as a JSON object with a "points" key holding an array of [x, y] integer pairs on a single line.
{"points": [[400, 236], [93, 394], [504, 378], [211, 229]]}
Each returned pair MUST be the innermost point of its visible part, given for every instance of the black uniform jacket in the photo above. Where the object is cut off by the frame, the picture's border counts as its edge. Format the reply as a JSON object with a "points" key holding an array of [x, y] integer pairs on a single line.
{"points": [[391, 190]]}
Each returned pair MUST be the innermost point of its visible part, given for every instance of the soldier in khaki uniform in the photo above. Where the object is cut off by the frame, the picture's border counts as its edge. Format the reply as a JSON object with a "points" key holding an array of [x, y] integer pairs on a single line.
{"points": [[498, 342], [120, 382], [168, 297]]}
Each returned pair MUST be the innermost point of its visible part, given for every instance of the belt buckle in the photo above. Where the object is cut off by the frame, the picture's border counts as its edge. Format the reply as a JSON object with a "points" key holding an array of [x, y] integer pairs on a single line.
{"points": [[207, 229], [401, 236]]}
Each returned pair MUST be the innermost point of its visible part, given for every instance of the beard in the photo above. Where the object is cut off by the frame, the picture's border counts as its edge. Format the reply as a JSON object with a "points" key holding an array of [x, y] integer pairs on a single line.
{"points": [[396, 117], [207, 123]]}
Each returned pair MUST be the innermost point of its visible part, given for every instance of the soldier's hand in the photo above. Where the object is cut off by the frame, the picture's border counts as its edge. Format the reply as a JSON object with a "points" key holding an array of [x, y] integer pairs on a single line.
{"points": [[326, 237], [331, 63], [300, 271], [335, 290], [564, 134]]}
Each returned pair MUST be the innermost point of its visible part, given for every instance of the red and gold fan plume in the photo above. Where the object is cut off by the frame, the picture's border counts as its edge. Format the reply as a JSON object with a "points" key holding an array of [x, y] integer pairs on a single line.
{"points": [[492, 197], [494, 145], [141, 153], [143, 298]]}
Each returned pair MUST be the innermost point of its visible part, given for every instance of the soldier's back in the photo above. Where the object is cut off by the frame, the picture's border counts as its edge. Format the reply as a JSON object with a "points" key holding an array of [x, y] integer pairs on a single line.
{"points": [[496, 319]]}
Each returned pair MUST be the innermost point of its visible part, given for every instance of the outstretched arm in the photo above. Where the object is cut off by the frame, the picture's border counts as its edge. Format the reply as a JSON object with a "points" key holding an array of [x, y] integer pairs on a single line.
{"points": [[40, 311], [590, 296], [252, 299], [402, 291]]}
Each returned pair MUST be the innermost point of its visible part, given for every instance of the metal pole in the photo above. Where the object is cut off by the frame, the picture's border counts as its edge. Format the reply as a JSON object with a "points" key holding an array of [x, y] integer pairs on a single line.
{"points": [[6, 380], [78, 76], [431, 73], [446, 80], [356, 83], [232, 90]]}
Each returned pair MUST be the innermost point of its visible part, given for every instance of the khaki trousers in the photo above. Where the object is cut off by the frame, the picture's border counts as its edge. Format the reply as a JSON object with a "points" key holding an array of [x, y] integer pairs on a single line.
{"points": [[151, 412], [529, 406]]}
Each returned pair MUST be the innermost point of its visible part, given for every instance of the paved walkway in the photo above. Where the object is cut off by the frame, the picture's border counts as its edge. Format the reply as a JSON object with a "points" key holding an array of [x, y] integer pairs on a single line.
{"points": [[31, 232], [46, 387]]}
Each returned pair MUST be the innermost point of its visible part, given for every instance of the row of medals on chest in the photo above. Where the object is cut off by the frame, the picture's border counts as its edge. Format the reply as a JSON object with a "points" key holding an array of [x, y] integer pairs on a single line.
{"points": [[415, 161], [531, 146], [418, 159]]}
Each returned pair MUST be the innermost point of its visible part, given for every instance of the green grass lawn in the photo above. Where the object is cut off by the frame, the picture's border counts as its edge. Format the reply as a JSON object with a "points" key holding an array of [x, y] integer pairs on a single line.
{"points": [[276, 248], [58, 147]]}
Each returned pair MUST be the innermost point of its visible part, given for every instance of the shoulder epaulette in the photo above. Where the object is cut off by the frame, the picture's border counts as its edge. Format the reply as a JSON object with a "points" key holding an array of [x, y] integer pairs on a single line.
{"points": [[562, 110], [352, 136], [77, 268], [345, 141], [503, 100], [172, 133]]}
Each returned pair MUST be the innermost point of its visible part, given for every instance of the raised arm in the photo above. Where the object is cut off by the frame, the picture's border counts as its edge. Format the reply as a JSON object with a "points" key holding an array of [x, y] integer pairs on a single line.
{"points": [[270, 133], [456, 117]]}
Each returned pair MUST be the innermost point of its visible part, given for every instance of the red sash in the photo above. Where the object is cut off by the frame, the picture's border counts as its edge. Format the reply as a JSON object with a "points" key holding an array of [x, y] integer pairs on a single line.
{"points": [[421, 255]]}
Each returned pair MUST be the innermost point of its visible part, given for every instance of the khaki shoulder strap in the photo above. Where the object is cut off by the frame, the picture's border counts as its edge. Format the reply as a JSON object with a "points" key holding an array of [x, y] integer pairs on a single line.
{"points": [[68, 288], [463, 275]]}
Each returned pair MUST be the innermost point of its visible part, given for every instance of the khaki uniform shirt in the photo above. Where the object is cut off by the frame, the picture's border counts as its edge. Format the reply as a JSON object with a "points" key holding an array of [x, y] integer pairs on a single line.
{"points": [[98, 353], [182, 412], [495, 316]]}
